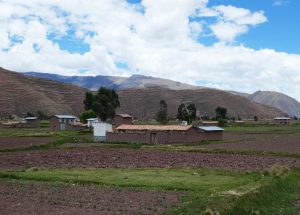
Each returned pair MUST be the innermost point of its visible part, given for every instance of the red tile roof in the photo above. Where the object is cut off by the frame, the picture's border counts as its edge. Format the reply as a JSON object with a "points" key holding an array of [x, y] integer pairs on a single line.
{"points": [[155, 127]]}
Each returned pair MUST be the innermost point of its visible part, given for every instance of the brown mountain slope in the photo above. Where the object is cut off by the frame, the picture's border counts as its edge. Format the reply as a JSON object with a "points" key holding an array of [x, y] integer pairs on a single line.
{"points": [[20, 94], [144, 103], [281, 101]]}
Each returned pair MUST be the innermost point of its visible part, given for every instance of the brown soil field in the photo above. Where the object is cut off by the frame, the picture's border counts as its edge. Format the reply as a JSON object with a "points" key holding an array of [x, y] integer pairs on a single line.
{"points": [[260, 142], [30, 198], [20, 142], [135, 158]]}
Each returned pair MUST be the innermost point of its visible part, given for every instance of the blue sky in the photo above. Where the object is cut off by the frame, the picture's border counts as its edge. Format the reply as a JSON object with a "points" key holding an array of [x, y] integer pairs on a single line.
{"points": [[281, 32], [241, 45]]}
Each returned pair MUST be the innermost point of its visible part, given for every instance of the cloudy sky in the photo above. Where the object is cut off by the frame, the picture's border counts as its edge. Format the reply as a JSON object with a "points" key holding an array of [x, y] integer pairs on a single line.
{"points": [[237, 45]]}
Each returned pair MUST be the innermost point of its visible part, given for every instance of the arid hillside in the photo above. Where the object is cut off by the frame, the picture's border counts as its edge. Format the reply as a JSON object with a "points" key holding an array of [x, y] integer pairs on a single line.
{"points": [[20, 94], [281, 101], [144, 103]]}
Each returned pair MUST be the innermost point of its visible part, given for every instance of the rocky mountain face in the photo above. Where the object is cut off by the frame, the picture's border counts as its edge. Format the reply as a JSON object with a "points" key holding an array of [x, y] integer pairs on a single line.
{"points": [[286, 104]]}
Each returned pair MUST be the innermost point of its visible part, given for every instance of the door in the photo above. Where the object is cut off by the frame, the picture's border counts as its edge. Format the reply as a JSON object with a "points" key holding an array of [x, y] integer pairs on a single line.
{"points": [[153, 138], [62, 127]]}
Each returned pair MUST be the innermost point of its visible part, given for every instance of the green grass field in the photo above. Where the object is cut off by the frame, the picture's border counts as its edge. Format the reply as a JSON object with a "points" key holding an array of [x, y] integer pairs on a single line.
{"points": [[228, 192]]}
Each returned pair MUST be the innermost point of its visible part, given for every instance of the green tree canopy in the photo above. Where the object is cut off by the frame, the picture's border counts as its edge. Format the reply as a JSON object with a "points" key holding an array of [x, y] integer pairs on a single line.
{"points": [[104, 103], [186, 113], [162, 114], [88, 101], [221, 112], [87, 115]]}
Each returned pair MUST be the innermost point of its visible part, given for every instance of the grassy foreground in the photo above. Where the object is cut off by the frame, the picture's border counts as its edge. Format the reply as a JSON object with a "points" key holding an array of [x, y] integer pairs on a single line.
{"points": [[210, 190]]}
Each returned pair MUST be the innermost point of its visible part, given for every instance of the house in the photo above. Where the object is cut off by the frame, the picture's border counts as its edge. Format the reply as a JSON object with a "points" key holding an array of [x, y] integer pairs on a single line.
{"points": [[90, 122], [209, 123], [282, 121], [32, 122], [211, 132], [162, 134], [101, 129], [122, 119], [62, 122]]}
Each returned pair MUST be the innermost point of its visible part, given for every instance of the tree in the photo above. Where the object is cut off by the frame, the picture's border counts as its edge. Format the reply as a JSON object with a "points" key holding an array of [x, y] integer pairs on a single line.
{"points": [[89, 99], [255, 118], [104, 103], [86, 115], [192, 112], [41, 115], [221, 112], [162, 114], [186, 113], [29, 114]]}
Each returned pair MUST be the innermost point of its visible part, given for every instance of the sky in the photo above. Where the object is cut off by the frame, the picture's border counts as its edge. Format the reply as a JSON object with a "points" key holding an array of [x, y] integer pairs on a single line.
{"points": [[241, 45]]}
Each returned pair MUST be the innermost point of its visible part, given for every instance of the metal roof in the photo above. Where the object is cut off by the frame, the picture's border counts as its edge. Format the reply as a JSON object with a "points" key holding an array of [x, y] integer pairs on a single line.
{"points": [[65, 116], [155, 127], [210, 128], [280, 118], [91, 119], [124, 115], [31, 118]]}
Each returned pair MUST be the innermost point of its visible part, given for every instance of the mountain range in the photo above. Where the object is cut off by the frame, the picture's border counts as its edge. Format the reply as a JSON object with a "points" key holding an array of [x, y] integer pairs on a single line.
{"points": [[20, 93], [289, 106]]}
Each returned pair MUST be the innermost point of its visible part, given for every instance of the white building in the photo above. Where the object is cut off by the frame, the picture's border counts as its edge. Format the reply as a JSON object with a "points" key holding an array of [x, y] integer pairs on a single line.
{"points": [[100, 129], [90, 122]]}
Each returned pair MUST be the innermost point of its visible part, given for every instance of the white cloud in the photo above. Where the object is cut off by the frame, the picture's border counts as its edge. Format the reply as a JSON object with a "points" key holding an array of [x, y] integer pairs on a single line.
{"points": [[280, 2], [162, 41]]}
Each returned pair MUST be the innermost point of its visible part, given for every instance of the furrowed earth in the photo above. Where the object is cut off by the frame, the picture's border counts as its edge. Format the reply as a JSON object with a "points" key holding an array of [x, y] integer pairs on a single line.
{"points": [[135, 158], [254, 170]]}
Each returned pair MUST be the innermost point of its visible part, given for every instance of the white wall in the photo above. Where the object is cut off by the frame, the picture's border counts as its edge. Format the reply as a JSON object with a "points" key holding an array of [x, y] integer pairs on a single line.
{"points": [[100, 129]]}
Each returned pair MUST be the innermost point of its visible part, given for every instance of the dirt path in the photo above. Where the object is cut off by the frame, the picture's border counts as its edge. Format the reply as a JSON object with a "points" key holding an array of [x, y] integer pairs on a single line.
{"points": [[36, 198], [133, 158]]}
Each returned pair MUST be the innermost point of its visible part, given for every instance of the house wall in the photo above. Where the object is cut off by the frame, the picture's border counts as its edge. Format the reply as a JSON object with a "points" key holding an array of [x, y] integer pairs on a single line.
{"points": [[282, 122], [54, 124], [119, 120], [162, 137], [213, 135], [128, 137], [32, 123]]}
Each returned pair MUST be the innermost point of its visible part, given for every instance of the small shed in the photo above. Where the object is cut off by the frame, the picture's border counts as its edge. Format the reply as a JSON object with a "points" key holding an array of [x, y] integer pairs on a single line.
{"points": [[100, 129], [282, 121], [90, 122], [32, 122], [62, 122], [211, 132], [122, 119]]}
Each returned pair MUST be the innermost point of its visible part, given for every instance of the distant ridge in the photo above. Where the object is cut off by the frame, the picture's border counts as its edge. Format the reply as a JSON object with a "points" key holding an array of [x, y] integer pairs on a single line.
{"points": [[115, 82]]}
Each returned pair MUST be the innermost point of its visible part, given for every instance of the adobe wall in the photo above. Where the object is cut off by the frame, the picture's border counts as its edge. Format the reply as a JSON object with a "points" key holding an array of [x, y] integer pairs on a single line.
{"points": [[128, 137]]}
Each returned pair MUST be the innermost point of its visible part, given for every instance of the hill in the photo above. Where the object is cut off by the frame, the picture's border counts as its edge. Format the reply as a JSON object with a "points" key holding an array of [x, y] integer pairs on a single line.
{"points": [[115, 82], [144, 103], [20, 94], [281, 101]]}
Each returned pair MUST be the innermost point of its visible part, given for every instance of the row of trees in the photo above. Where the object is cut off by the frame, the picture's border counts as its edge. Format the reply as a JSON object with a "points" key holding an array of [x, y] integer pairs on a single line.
{"points": [[104, 103], [185, 113]]}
